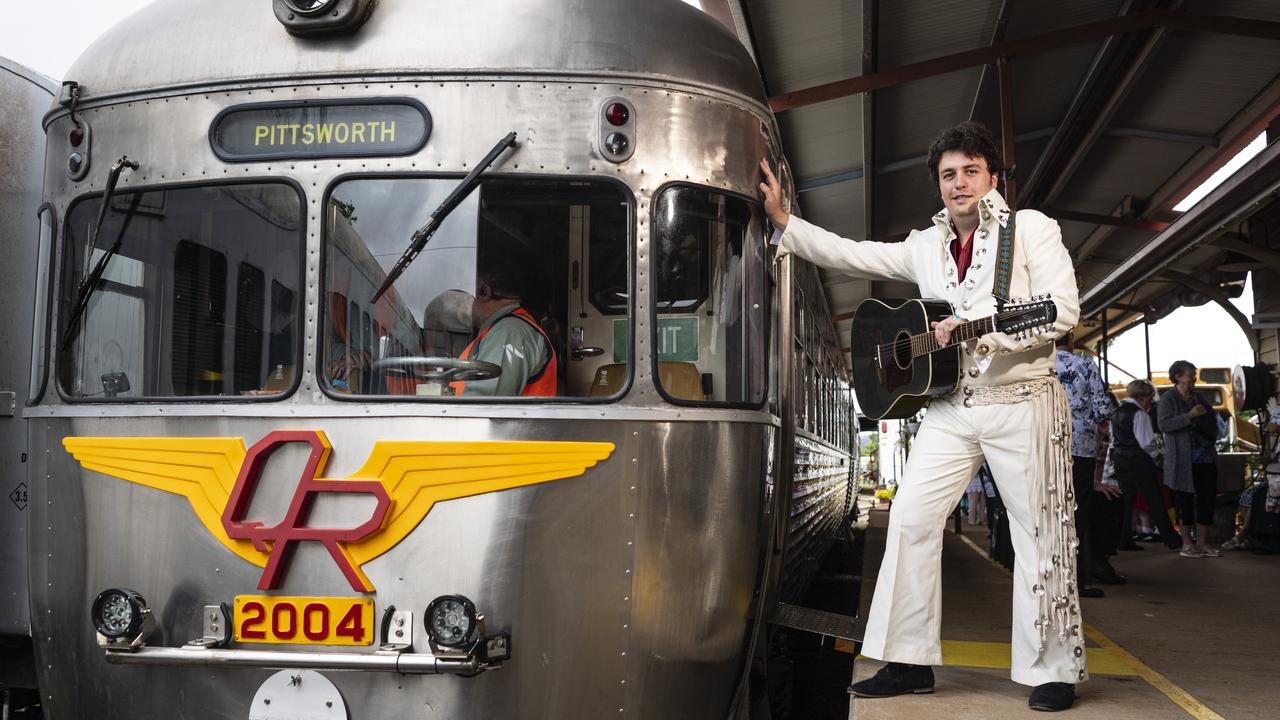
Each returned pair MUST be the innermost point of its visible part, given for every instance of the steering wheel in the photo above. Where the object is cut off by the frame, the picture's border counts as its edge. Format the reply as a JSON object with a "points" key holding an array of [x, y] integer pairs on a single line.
{"points": [[440, 369]]}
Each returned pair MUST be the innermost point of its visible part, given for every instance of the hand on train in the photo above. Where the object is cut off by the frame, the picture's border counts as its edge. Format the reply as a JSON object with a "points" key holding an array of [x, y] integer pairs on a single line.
{"points": [[771, 193], [942, 330]]}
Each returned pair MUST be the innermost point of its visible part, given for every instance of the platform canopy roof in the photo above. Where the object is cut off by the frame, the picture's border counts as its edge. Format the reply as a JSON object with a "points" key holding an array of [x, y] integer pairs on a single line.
{"points": [[1112, 112]]}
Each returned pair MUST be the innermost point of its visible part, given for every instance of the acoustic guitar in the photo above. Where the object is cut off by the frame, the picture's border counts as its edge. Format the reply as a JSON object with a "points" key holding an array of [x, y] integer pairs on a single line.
{"points": [[898, 364]]}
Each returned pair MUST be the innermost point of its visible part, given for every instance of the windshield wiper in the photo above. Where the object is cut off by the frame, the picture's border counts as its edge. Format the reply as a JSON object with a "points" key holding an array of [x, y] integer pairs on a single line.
{"points": [[424, 233], [86, 289]]}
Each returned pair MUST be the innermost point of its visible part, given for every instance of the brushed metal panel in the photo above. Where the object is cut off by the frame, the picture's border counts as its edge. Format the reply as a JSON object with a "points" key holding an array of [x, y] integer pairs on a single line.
{"points": [[24, 96]]}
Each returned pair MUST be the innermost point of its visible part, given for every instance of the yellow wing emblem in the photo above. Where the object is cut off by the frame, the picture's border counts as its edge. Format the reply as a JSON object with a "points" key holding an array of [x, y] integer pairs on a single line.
{"points": [[201, 469], [217, 477]]}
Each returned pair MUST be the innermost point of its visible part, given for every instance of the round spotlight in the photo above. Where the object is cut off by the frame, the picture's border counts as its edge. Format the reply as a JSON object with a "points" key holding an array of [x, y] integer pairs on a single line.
{"points": [[617, 144], [76, 136], [309, 7], [118, 613], [75, 163], [451, 620]]}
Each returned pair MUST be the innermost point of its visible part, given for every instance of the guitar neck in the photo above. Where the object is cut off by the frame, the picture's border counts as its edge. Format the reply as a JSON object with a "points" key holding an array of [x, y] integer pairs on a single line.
{"points": [[925, 343]]}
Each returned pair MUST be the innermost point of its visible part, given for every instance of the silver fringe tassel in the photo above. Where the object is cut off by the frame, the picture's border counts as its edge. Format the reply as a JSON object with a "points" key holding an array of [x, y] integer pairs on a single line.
{"points": [[1053, 503]]}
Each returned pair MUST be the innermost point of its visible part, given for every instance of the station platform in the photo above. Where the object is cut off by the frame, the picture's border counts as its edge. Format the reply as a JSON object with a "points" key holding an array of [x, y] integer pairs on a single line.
{"points": [[1185, 637]]}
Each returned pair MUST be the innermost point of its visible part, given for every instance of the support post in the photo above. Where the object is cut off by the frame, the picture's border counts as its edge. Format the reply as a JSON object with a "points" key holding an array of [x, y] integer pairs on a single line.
{"points": [[1146, 341], [1106, 337], [1004, 74], [870, 21]]}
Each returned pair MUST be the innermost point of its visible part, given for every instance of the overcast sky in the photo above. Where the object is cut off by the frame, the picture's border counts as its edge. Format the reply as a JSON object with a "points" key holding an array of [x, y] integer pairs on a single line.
{"points": [[48, 37]]}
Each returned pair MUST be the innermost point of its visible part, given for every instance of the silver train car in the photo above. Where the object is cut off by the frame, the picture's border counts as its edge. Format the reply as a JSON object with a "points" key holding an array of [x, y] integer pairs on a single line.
{"points": [[24, 226], [268, 477]]}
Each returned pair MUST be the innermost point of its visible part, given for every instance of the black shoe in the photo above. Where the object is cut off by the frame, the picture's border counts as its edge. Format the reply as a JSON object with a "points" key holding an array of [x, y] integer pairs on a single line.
{"points": [[1090, 592], [895, 679], [1052, 697], [1149, 537], [1107, 575], [1175, 543], [1132, 546]]}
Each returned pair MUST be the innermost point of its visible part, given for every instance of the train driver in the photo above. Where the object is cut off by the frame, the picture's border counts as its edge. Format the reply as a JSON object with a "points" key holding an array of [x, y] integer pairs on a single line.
{"points": [[508, 337]]}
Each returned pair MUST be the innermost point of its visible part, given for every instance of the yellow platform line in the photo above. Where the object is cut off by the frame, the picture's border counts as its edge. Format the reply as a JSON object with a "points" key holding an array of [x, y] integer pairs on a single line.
{"points": [[1176, 694], [999, 656]]}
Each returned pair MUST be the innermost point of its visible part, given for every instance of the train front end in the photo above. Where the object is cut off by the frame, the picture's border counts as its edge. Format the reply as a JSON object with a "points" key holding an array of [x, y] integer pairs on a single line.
{"points": [[274, 472]]}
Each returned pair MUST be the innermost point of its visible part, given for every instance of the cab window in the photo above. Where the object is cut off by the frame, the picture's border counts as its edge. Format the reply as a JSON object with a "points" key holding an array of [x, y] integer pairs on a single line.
{"points": [[512, 297], [710, 319], [180, 309]]}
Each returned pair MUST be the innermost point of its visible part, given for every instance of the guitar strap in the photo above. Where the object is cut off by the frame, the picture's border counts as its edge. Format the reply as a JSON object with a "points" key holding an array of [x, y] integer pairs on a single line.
{"points": [[1004, 264]]}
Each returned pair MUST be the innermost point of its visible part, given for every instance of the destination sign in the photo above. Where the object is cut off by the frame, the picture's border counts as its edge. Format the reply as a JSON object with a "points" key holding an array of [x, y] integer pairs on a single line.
{"points": [[308, 130]]}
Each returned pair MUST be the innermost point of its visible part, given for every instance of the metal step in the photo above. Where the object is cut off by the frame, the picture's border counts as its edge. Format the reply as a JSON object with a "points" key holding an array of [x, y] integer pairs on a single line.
{"points": [[820, 622]]}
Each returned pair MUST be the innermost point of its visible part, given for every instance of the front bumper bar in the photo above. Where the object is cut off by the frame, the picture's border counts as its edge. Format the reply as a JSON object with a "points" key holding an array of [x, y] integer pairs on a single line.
{"points": [[396, 662]]}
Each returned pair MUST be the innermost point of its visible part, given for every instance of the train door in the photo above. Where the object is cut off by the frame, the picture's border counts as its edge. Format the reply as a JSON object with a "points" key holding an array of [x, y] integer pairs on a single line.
{"points": [[28, 241]]}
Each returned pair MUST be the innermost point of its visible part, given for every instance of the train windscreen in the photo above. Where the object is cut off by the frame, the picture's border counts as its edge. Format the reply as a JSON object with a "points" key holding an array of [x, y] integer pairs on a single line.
{"points": [[199, 293], [494, 305]]}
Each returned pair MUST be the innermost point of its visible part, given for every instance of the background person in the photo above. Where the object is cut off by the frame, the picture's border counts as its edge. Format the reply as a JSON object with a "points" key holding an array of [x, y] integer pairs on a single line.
{"points": [[1136, 453], [1190, 461], [509, 337], [1087, 398]]}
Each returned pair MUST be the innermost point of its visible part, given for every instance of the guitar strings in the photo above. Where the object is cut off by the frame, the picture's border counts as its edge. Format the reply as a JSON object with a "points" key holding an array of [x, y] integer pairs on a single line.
{"points": [[895, 345]]}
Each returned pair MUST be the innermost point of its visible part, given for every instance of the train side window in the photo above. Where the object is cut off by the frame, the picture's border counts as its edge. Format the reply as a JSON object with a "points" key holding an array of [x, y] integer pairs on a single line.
{"points": [[509, 299], [171, 317], [710, 297]]}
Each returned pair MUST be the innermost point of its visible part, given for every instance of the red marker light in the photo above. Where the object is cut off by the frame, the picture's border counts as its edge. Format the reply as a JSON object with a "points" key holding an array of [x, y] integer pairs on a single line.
{"points": [[617, 114], [76, 136]]}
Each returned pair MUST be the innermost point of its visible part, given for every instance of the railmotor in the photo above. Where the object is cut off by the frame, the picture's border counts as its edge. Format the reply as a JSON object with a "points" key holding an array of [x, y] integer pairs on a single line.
{"points": [[421, 357]]}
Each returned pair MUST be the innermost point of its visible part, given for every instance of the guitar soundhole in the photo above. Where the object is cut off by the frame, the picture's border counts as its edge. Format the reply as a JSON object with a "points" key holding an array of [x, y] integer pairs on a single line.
{"points": [[902, 349]]}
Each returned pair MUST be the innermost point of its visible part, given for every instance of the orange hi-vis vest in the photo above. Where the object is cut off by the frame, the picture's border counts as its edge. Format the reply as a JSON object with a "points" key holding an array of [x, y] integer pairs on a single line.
{"points": [[541, 383]]}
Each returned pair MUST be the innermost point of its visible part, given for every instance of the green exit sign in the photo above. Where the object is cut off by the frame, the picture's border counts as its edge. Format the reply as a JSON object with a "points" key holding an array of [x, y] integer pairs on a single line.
{"points": [[677, 339]]}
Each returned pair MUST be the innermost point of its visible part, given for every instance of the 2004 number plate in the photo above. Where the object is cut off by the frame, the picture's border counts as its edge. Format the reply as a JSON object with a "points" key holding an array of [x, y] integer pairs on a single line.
{"points": [[303, 620]]}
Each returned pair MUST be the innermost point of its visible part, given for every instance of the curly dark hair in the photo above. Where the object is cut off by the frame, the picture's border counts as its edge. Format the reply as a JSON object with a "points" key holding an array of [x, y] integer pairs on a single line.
{"points": [[972, 139]]}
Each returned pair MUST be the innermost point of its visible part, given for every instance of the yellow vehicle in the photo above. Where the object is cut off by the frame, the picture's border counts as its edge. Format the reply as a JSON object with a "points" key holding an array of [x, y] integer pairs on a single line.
{"points": [[1214, 384]]}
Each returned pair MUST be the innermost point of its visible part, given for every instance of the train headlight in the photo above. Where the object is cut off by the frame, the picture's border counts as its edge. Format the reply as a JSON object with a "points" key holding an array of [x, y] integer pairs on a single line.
{"points": [[309, 7], [451, 621], [617, 129], [308, 18], [121, 616], [616, 144]]}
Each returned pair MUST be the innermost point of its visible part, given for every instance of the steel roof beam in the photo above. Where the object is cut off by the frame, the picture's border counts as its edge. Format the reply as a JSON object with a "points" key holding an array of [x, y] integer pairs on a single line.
{"points": [[1220, 298], [997, 35], [1145, 20], [1256, 184], [920, 160], [1057, 171], [1153, 226], [1108, 62]]}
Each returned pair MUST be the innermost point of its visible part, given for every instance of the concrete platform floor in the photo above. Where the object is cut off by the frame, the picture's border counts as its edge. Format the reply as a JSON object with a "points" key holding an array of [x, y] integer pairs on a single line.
{"points": [[1186, 637]]}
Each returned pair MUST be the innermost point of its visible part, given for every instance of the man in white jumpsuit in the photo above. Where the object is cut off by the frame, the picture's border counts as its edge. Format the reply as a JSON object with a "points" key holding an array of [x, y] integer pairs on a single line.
{"points": [[1008, 408]]}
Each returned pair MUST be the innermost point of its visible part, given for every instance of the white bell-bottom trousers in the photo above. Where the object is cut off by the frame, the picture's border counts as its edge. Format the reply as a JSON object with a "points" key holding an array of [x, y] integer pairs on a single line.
{"points": [[906, 611]]}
